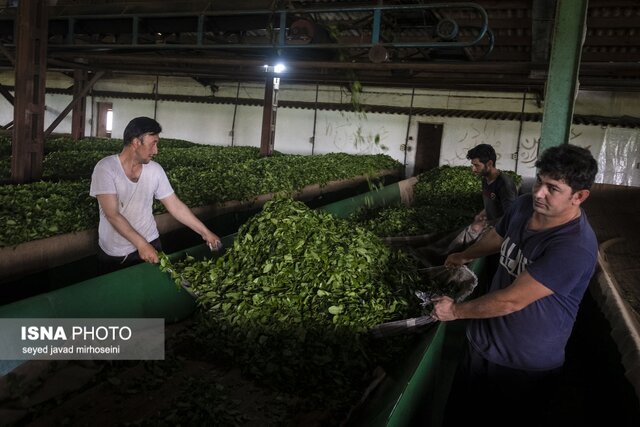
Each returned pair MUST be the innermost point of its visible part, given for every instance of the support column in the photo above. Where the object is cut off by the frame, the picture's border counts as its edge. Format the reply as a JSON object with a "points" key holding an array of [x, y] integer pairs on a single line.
{"points": [[562, 84], [268, 117], [79, 112], [82, 93], [30, 80]]}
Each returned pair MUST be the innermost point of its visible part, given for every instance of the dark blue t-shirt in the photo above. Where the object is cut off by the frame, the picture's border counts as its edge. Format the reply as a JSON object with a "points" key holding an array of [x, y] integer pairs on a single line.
{"points": [[563, 259], [498, 196]]}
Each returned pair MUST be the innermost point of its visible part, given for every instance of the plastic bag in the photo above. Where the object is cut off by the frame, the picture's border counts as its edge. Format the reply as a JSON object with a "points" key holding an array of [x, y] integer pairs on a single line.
{"points": [[458, 283], [435, 252]]}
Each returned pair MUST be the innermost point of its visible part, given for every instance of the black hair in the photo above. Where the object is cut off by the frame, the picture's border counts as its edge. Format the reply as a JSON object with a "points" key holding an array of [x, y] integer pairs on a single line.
{"points": [[482, 152], [572, 164], [140, 126]]}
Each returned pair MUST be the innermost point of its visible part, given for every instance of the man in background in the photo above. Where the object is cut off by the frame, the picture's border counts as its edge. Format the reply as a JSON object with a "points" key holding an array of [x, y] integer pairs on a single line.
{"points": [[498, 193], [498, 189]]}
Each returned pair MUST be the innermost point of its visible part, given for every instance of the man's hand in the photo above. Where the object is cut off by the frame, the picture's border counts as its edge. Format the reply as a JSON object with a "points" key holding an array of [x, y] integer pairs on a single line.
{"points": [[443, 308], [148, 253], [213, 241], [182, 213], [479, 222], [481, 217], [456, 259]]}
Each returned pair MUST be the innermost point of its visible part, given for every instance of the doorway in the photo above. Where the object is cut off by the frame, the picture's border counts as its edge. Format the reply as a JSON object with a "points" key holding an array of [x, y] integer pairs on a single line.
{"points": [[104, 123], [428, 147]]}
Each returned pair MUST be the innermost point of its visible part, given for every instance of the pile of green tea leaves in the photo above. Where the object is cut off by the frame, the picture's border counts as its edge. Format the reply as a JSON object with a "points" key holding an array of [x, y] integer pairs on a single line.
{"points": [[445, 199], [201, 175], [31, 211], [453, 187], [401, 220], [291, 302]]}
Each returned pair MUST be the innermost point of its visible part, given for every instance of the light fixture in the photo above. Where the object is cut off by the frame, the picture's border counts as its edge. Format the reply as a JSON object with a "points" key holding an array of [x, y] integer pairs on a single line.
{"points": [[277, 69]]}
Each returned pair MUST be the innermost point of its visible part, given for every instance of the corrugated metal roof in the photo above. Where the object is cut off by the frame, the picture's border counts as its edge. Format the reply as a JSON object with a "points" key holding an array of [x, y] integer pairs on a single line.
{"points": [[512, 57]]}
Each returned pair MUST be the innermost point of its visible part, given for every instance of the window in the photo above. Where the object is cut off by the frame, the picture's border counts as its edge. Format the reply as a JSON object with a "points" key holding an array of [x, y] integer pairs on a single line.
{"points": [[109, 125]]}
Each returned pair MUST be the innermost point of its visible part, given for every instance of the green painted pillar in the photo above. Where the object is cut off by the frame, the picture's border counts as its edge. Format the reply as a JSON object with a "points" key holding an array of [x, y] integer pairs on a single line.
{"points": [[564, 64]]}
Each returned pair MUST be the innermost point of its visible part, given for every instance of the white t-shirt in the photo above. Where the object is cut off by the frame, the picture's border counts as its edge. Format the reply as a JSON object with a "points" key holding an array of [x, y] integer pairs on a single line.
{"points": [[135, 201]]}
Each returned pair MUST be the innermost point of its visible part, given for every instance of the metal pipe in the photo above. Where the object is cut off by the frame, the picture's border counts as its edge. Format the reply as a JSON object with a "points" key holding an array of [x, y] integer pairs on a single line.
{"points": [[155, 97], [93, 116], [268, 12], [406, 138], [524, 98], [377, 19], [200, 36], [280, 42], [315, 115], [235, 110], [511, 68]]}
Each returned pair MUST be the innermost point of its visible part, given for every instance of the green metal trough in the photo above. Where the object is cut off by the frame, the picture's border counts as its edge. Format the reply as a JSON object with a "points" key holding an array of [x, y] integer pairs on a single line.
{"points": [[414, 394]]}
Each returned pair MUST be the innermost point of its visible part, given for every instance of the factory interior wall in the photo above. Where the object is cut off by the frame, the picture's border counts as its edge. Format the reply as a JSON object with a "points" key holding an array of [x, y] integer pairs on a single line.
{"points": [[335, 131]]}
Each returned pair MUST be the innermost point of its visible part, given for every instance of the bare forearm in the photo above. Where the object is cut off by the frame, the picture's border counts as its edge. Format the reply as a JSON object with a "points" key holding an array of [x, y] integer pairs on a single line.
{"points": [[523, 291], [184, 215], [494, 304], [487, 245], [124, 228]]}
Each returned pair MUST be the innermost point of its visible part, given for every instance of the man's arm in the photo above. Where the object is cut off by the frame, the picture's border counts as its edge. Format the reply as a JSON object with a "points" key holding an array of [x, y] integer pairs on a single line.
{"points": [[522, 292], [488, 244], [109, 205], [182, 213]]}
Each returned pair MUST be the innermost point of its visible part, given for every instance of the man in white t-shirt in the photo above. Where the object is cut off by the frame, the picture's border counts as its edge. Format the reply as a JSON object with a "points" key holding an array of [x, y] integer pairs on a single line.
{"points": [[125, 185]]}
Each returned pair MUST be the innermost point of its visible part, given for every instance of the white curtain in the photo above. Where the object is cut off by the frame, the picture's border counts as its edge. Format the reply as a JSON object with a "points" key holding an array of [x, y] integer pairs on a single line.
{"points": [[619, 158]]}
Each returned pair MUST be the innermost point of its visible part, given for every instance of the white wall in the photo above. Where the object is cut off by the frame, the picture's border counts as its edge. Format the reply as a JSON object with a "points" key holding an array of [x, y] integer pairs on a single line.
{"points": [[203, 124], [294, 130], [360, 133], [335, 130]]}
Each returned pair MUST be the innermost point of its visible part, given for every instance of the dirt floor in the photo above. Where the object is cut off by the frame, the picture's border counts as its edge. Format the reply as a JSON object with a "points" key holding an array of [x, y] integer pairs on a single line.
{"points": [[184, 389]]}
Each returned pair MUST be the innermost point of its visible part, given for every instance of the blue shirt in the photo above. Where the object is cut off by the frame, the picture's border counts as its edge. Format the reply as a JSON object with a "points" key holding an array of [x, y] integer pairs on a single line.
{"points": [[563, 259], [498, 196]]}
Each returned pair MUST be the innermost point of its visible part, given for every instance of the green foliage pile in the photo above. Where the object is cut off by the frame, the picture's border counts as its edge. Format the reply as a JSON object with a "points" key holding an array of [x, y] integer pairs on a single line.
{"points": [[224, 181], [71, 165], [66, 143], [451, 186], [445, 198], [292, 300], [200, 174], [42, 209], [410, 221]]}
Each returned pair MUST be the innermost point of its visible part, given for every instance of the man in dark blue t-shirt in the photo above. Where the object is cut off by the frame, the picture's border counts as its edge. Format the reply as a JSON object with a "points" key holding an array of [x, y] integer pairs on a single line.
{"points": [[519, 329], [498, 189], [498, 194]]}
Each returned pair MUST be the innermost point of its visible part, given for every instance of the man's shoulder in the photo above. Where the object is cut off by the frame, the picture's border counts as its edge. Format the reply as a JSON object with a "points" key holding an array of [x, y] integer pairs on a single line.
{"points": [[155, 167], [108, 161], [523, 205], [505, 178]]}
